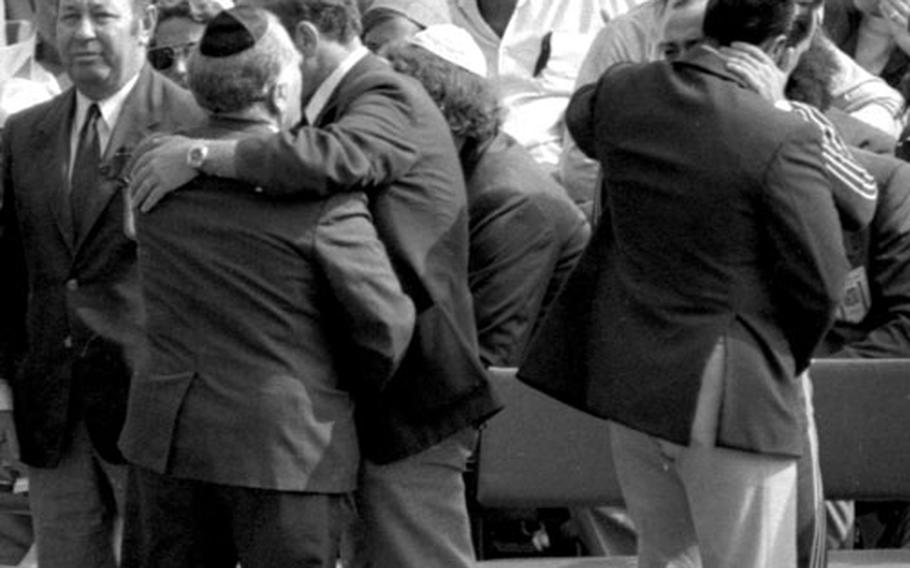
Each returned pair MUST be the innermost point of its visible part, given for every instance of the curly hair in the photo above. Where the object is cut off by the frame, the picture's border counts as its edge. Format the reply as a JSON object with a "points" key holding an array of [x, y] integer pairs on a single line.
{"points": [[467, 101], [810, 81]]}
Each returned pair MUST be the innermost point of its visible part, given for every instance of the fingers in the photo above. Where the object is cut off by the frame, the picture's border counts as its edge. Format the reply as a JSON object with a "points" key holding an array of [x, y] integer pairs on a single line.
{"points": [[140, 190], [140, 152], [897, 11], [152, 198], [751, 51]]}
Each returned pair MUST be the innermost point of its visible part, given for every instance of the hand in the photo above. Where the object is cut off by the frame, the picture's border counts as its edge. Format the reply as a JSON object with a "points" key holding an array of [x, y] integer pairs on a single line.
{"points": [[159, 167], [9, 441], [896, 12], [897, 15], [757, 69]]}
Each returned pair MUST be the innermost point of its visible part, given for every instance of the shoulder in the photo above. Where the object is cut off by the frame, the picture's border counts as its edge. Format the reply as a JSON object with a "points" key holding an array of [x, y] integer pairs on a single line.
{"points": [[375, 74], [177, 101], [27, 118]]}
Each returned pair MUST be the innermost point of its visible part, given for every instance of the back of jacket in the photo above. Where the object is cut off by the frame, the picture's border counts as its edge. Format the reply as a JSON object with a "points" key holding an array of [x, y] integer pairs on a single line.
{"points": [[718, 226], [253, 305]]}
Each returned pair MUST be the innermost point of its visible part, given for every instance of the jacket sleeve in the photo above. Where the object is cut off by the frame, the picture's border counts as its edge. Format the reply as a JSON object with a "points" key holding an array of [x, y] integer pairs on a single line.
{"points": [[371, 144], [376, 316], [854, 188], [514, 250], [888, 270], [13, 287], [810, 263]]}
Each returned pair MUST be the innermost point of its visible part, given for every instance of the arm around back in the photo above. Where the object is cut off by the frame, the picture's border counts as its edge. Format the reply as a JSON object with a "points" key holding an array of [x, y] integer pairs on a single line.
{"points": [[375, 314], [802, 224], [371, 142]]}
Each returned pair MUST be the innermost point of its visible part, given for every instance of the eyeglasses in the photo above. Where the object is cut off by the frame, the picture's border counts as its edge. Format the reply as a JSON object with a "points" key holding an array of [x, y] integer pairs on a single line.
{"points": [[164, 57]]}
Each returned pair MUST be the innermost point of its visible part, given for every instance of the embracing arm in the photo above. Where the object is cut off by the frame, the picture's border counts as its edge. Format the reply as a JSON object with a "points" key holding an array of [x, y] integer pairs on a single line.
{"points": [[804, 232], [371, 143], [376, 316], [853, 188]]}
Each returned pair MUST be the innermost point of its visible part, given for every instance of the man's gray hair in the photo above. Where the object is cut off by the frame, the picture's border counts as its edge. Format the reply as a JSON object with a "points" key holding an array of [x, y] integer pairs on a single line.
{"points": [[237, 82]]}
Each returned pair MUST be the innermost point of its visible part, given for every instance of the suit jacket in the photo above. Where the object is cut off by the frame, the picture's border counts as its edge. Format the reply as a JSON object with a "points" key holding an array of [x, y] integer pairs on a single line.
{"points": [[874, 318], [382, 134], [72, 320], [719, 225], [526, 236], [253, 307]]}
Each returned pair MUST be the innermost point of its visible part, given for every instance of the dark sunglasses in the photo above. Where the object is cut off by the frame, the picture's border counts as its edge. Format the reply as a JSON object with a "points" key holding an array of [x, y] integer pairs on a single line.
{"points": [[164, 57]]}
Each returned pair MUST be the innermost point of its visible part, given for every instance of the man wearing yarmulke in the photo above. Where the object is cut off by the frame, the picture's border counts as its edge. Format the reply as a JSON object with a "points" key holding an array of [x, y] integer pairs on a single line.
{"points": [[241, 428], [372, 129]]}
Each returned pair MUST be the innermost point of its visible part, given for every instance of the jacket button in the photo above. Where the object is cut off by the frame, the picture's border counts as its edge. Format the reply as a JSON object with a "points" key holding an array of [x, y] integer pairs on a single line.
{"points": [[72, 285], [68, 342]]}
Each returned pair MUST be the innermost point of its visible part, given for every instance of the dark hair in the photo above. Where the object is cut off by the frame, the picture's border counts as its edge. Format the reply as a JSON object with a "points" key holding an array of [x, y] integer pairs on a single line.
{"points": [[467, 101], [337, 19], [810, 81], [750, 21]]}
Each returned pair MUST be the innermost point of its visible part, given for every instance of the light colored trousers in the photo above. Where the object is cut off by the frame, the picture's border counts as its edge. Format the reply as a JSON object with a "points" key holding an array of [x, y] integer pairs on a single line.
{"points": [[412, 513], [702, 505]]}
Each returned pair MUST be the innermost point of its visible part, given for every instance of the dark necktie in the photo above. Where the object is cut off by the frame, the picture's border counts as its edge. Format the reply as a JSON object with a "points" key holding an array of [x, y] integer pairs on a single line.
{"points": [[85, 177]]}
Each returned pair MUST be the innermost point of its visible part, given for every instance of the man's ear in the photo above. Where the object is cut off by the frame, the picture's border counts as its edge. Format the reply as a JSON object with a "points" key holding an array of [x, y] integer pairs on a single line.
{"points": [[306, 39], [776, 48]]}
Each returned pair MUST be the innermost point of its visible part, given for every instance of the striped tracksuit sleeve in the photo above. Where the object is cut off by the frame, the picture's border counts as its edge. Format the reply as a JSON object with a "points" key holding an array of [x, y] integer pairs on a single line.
{"points": [[855, 190]]}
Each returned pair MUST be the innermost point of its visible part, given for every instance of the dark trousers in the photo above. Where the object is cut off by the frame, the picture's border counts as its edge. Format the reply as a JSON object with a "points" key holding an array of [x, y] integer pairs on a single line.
{"points": [[180, 523]]}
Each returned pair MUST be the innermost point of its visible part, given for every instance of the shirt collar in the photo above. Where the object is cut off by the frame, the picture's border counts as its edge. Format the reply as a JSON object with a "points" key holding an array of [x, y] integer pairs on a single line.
{"points": [[109, 108], [321, 97]]}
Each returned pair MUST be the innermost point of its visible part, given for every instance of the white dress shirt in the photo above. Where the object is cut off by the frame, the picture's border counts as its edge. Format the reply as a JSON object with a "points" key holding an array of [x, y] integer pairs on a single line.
{"points": [[109, 108], [535, 104]]}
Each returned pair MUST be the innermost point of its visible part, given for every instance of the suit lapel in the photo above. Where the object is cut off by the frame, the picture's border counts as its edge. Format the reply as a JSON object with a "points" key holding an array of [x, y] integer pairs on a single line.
{"points": [[136, 120], [52, 152]]}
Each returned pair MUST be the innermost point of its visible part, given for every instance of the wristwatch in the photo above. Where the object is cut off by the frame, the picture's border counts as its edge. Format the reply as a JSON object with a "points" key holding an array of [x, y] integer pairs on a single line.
{"points": [[196, 155]]}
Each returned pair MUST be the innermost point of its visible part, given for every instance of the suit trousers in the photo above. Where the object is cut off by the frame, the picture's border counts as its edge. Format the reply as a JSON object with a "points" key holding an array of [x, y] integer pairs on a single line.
{"points": [[412, 512], [185, 523], [77, 507], [704, 505]]}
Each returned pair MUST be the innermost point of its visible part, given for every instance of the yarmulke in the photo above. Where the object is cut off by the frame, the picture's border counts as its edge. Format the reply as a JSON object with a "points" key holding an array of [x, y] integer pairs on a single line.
{"points": [[233, 31], [455, 45]]}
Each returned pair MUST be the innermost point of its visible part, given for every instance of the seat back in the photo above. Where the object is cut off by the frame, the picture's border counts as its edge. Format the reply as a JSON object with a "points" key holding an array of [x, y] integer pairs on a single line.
{"points": [[862, 412], [538, 452]]}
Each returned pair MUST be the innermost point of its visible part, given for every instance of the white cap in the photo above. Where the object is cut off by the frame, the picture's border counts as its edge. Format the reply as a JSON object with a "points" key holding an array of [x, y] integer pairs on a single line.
{"points": [[455, 45]]}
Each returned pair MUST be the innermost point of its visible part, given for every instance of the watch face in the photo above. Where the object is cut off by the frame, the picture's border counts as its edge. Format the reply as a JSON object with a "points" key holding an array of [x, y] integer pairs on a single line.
{"points": [[197, 156]]}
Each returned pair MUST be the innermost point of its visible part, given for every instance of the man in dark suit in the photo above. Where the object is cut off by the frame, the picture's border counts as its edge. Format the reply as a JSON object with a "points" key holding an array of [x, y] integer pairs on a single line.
{"points": [[241, 428], [71, 318], [376, 131], [712, 277], [526, 234]]}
